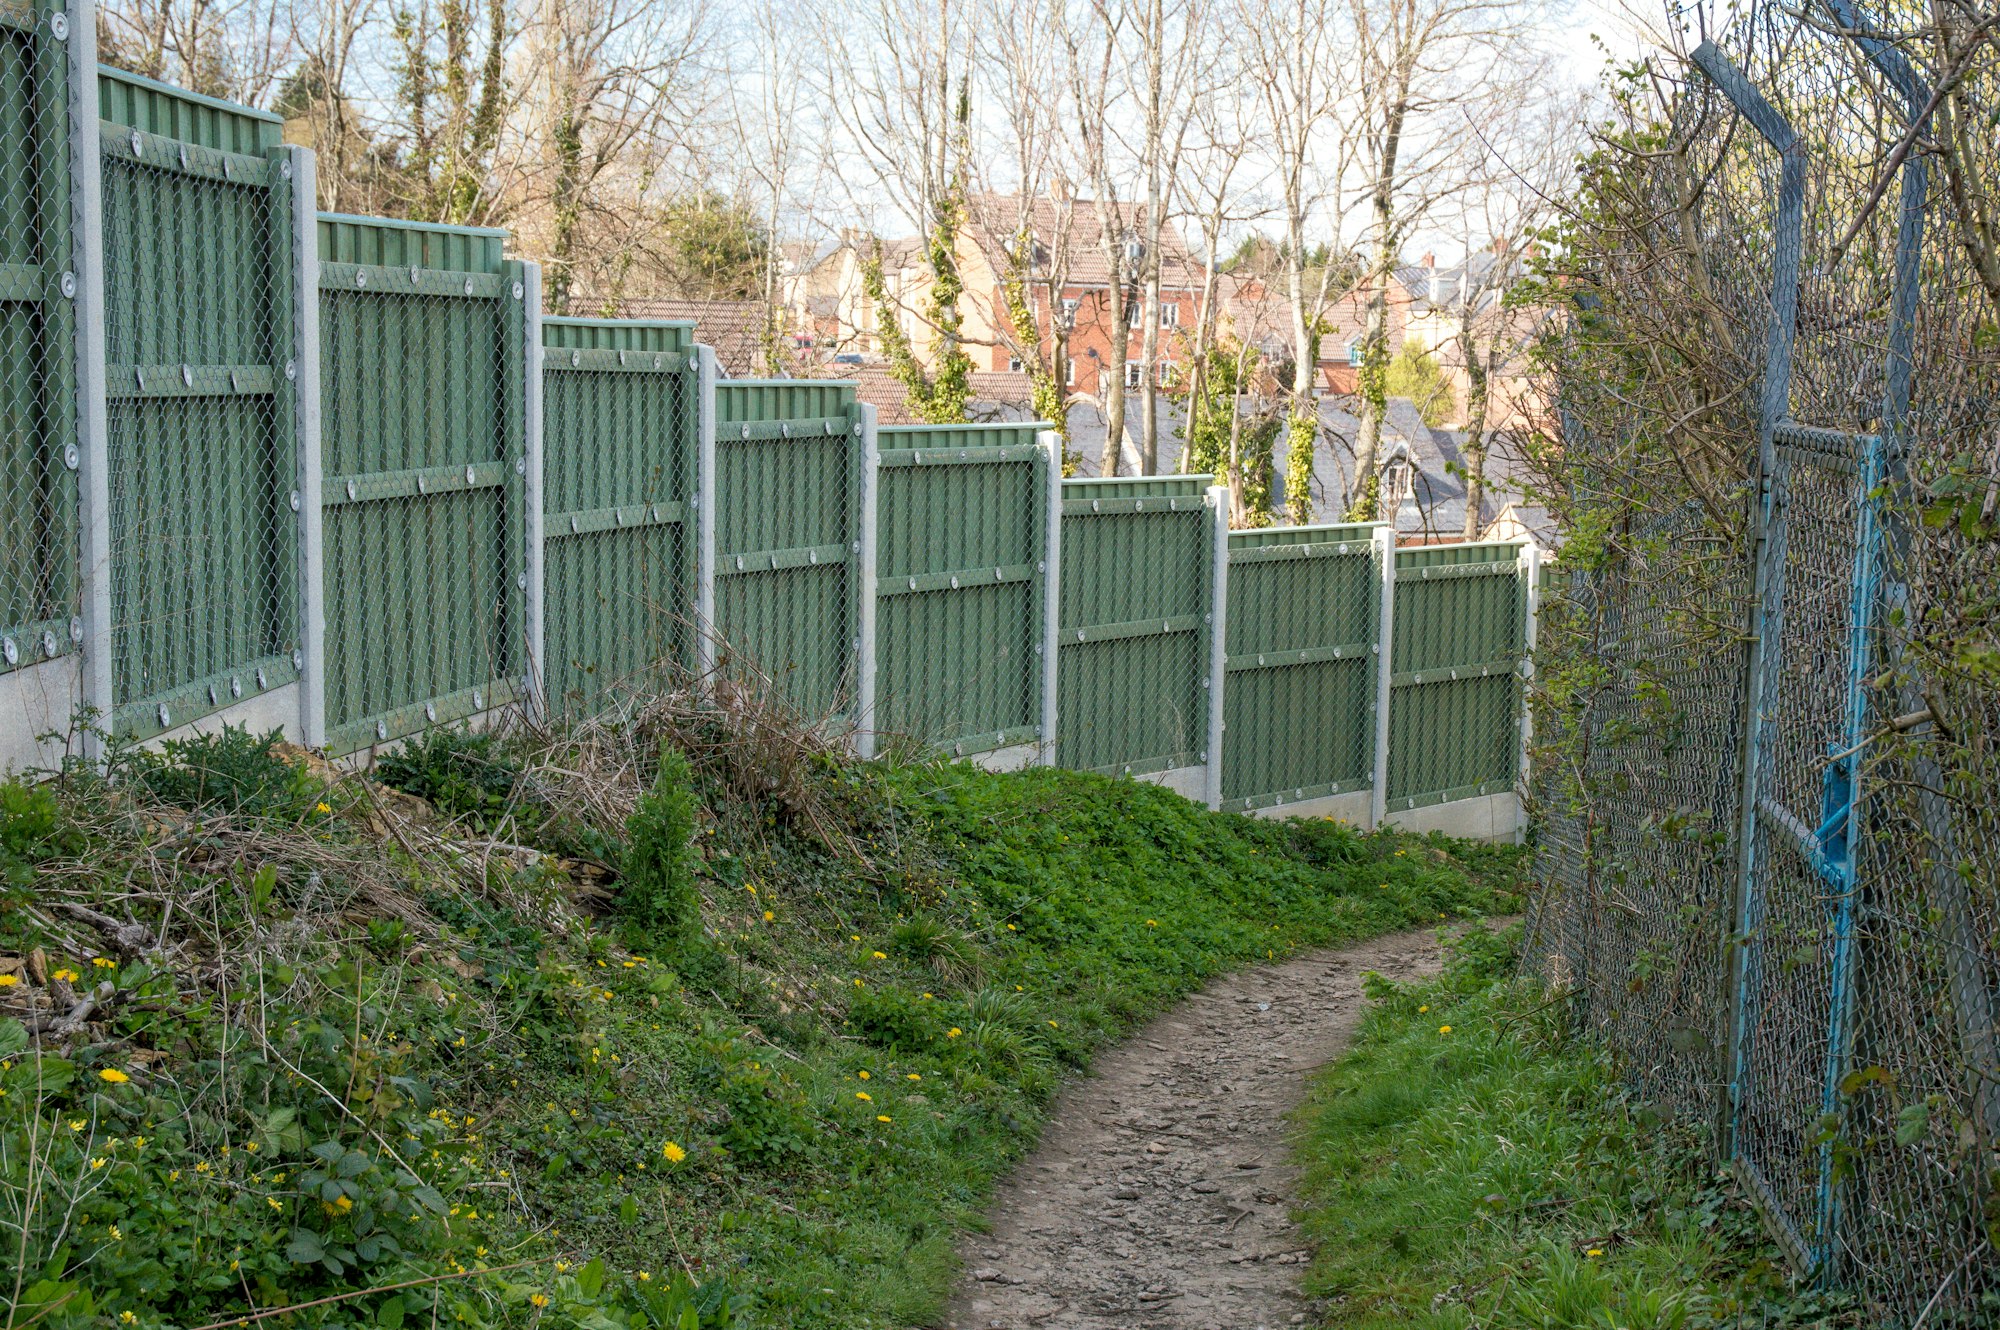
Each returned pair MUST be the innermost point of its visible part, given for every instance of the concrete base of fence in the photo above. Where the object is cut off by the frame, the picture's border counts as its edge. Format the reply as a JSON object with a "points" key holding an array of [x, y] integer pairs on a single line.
{"points": [[1351, 808], [1491, 817], [1188, 782], [33, 701], [275, 710], [1015, 757]]}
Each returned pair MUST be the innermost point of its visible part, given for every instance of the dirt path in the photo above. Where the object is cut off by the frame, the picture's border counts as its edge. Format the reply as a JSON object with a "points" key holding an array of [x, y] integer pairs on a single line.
{"points": [[1159, 1196]]}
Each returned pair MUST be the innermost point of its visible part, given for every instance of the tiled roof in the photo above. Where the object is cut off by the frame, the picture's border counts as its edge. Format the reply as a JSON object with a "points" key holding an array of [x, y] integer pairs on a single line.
{"points": [[735, 328]]}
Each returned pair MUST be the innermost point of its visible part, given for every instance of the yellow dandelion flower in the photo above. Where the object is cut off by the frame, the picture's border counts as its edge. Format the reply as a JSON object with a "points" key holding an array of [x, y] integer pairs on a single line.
{"points": [[126, 1317], [113, 1076], [67, 975], [98, 1163], [562, 1267], [104, 962], [883, 1117], [1054, 1026], [274, 1203], [913, 1077], [673, 1153], [879, 955], [1595, 1251], [9, 980], [862, 1074], [1152, 923], [864, 1096], [202, 1167], [344, 1204], [117, 1233], [645, 1276], [538, 1300], [322, 807], [858, 983], [1444, 1029], [1421, 1010], [953, 1033]]}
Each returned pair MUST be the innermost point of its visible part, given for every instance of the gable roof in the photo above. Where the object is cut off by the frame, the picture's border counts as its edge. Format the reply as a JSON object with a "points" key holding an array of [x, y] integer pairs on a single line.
{"points": [[993, 218]]}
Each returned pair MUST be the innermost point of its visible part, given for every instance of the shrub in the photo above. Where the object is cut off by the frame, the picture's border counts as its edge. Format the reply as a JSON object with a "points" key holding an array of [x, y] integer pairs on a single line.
{"points": [[457, 772], [230, 771], [657, 892], [31, 830]]}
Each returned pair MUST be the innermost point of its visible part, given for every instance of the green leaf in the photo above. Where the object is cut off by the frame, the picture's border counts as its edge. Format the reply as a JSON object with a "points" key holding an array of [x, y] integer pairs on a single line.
{"points": [[13, 1038], [305, 1247], [590, 1279], [628, 1211], [390, 1314], [1912, 1123]]}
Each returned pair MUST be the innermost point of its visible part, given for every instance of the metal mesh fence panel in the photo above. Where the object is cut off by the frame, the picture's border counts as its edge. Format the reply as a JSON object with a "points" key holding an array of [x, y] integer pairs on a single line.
{"points": [[422, 377], [618, 469], [1134, 625], [1299, 709], [961, 537], [1826, 985], [1456, 673], [198, 238], [787, 539], [39, 609]]}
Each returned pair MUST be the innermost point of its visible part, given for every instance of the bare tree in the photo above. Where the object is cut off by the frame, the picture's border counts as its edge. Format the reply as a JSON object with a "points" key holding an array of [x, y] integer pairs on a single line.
{"points": [[1421, 62], [1297, 72], [1093, 47]]}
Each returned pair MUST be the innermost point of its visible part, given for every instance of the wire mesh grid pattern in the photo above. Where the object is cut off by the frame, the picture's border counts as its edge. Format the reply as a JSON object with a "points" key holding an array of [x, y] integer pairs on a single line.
{"points": [[198, 241], [1136, 607], [1824, 986], [422, 355], [960, 562], [618, 471], [1455, 674], [788, 459], [1303, 635], [39, 610]]}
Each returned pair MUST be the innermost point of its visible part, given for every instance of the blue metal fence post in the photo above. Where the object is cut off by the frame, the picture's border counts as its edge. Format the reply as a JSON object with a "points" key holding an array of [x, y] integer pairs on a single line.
{"points": [[1767, 534]]}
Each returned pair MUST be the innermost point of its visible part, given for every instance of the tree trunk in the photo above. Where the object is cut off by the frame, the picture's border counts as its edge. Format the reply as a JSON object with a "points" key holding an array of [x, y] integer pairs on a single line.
{"points": [[1475, 435]]}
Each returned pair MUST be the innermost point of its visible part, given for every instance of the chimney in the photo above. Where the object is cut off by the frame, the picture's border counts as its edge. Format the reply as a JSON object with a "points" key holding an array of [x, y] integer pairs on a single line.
{"points": [[1499, 245], [1059, 190]]}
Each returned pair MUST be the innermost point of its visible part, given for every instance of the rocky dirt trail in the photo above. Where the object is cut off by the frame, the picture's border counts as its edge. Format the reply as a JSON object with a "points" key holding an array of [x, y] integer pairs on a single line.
{"points": [[1159, 1197]]}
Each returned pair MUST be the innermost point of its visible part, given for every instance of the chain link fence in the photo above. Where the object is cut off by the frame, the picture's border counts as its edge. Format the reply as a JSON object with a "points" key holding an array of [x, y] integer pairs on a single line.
{"points": [[961, 583], [619, 457], [1765, 761], [198, 236], [423, 348], [788, 542], [40, 614], [1304, 630], [1136, 621]]}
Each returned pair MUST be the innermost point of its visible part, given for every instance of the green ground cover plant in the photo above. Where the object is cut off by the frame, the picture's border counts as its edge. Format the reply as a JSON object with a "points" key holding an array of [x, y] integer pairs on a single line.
{"points": [[683, 1021], [1468, 1165]]}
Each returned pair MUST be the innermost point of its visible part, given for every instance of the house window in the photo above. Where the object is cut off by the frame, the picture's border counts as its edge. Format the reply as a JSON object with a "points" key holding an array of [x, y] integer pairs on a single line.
{"points": [[1354, 356], [1013, 364], [1135, 374], [1166, 373], [1170, 314], [1069, 372], [1069, 312], [1396, 480], [1132, 313]]}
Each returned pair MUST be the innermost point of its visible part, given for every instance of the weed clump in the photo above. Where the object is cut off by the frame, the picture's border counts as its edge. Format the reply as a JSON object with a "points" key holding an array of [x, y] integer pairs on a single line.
{"points": [[657, 892]]}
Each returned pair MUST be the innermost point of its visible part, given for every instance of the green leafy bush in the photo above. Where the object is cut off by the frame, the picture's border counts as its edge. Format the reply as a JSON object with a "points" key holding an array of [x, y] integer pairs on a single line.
{"points": [[656, 889], [230, 771], [31, 830], [460, 773]]}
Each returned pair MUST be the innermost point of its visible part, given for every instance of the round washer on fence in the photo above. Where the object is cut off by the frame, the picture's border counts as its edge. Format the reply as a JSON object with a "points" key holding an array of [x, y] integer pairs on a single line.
{"points": [[361, 279], [477, 699], [211, 695], [621, 357], [431, 712], [297, 503], [291, 371], [468, 473], [76, 628], [284, 169], [416, 274], [468, 286], [381, 729], [575, 359], [298, 659], [657, 362], [59, 26], [71, 457], [138, 144], [235, 686], [260, 678], [350, 489], [166, 717], [50, 643], [10, 650], [521, 581], [519, 290], [69, 286]]}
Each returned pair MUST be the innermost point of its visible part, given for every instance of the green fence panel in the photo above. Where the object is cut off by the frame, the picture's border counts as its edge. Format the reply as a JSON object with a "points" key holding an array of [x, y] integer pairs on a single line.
{"points": [[618, 469], [1134, 615], [1455, 686], [787, 537], [961, 548], [422, 390], [198, 242], [38, 498], [1302, 630]]}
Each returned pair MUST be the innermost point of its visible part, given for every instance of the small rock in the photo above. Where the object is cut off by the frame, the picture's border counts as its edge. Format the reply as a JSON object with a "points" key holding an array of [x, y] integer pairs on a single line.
{"points": [[1206, 1188], [986, 1274], [1125, 1194]]}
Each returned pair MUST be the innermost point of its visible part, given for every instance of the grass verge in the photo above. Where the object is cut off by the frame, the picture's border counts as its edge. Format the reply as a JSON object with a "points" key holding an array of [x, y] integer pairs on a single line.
{"points": [[686, 1022], [1467, 1165]]}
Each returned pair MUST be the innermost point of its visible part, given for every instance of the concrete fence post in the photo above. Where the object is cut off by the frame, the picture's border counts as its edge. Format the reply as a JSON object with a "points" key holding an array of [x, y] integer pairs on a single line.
{"points": [[703, 504], [535, 564], [1385, 641], [864, 580], [1218, 641], [1051, 571], [304, 373], [1531, 606], [91, 455]]}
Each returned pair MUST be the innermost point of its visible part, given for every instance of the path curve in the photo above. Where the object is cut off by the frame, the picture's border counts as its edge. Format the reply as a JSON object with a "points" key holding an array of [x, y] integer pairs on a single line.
{"points": [[1159, 1196]]}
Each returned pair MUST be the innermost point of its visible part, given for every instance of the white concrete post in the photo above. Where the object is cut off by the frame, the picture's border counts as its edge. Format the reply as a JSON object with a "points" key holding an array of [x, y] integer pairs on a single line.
{"points": [[864, 581], [534, 564], [304, 373], [1051, 570], [1218, 641], [1385, 640], [703, 504], [90, 455], [1531, 603]]}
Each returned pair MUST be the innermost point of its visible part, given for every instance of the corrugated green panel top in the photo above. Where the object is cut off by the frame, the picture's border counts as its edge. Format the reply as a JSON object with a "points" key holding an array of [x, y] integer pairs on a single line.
{"points": [[176, 113], [393, 244], [739, 401], [617, 334], [1008, 435], [1141, 487], [1445, 556], [1333, 533]]}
